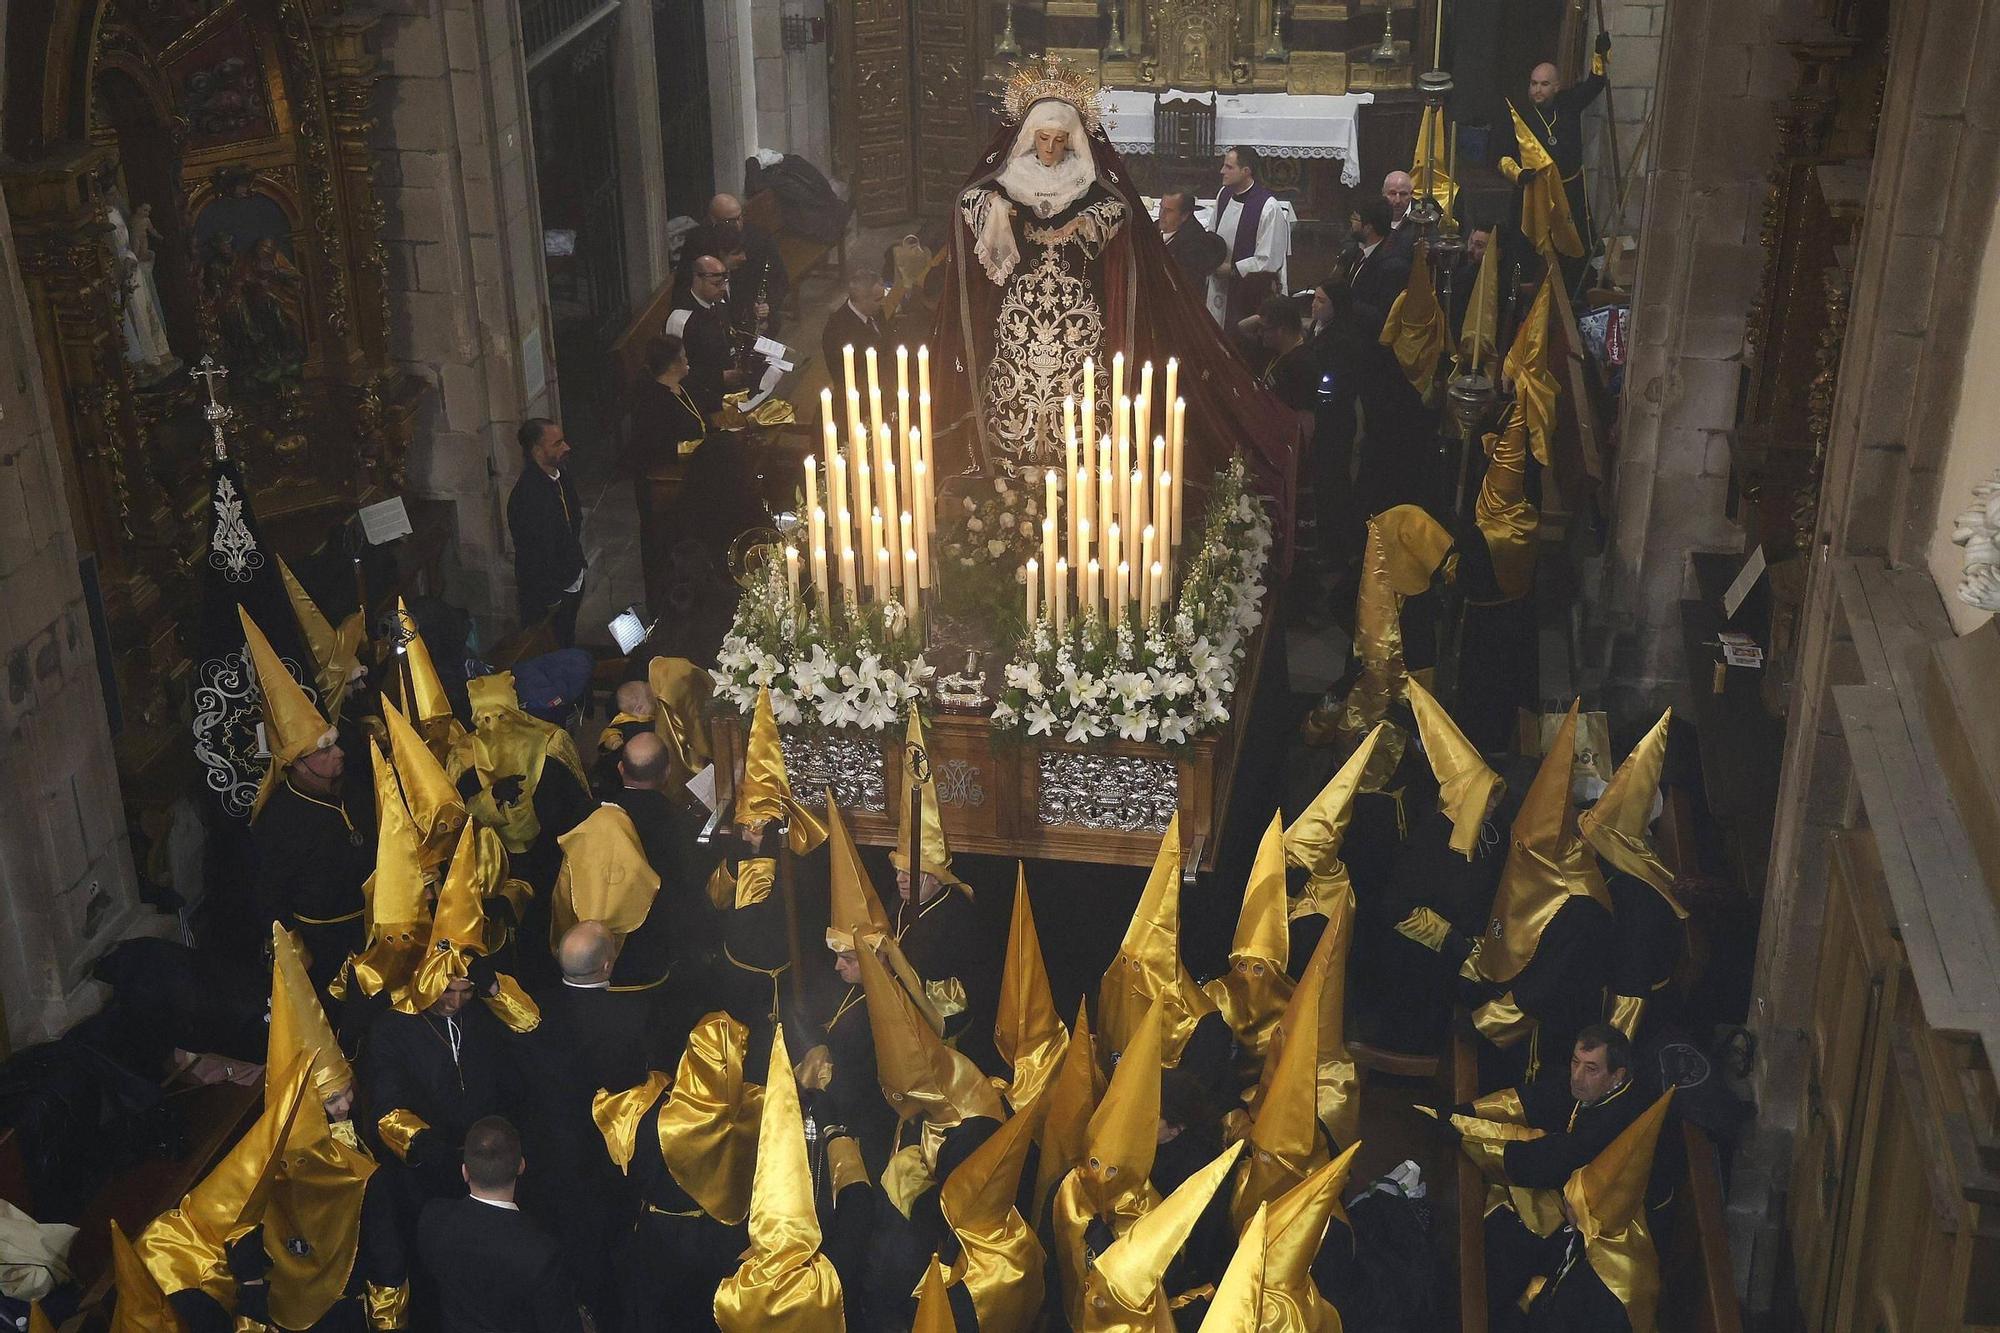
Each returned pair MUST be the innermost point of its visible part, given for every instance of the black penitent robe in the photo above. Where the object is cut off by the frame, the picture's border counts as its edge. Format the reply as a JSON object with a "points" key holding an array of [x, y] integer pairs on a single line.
{"points": [[313, 856], [1574, 1299]]}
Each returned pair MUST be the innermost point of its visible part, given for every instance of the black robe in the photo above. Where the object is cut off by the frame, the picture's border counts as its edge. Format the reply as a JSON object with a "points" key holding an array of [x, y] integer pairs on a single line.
{"points": [[545, 519], [312, 858], [1574, 1299]]}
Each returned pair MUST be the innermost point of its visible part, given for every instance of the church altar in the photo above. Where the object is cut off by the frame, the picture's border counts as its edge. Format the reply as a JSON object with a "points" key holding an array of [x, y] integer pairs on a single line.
{"points": [[1289, 125]]}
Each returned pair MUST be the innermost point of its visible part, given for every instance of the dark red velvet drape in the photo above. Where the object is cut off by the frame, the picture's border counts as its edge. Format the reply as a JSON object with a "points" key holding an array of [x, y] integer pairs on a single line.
{"points": [[1150, 314]]}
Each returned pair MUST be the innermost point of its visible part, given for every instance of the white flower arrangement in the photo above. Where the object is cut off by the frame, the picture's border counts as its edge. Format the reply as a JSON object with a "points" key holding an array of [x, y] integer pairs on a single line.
{"points": [[855, 671], [1171, 680]]}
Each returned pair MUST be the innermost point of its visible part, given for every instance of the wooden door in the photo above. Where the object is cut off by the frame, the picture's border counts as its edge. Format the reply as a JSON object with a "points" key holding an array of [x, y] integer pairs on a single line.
{"points": [[875, 106], [947, 118]]}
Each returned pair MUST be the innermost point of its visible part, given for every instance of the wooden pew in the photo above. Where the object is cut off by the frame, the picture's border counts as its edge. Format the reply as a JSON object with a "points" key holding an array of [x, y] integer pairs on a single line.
{"points": [[1472, 1313], [1697, 1284]]}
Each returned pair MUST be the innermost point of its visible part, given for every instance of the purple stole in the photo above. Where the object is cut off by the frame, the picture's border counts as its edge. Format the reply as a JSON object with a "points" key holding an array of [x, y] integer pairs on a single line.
{"points": [[1252, 202]]}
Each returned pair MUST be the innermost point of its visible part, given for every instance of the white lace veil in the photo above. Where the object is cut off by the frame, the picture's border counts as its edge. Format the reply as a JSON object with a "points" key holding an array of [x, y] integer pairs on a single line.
{"points": [[1044, 190]]}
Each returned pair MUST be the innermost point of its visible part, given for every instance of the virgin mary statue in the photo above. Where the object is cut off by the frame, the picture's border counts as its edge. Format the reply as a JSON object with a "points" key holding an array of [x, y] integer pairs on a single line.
{"points": [[1054, 259]]}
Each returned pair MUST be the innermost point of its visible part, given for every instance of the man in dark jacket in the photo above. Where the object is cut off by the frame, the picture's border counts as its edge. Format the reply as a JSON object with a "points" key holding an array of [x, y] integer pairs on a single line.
{"points": [[496, 1270], [546, 521], [1194, 247]]}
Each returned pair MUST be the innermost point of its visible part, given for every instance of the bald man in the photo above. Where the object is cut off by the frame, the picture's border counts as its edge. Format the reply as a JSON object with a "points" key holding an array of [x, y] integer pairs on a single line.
{"points": [[758, 287], [591, 1036], [1555, 117], [676, 947], [1398, 188]]}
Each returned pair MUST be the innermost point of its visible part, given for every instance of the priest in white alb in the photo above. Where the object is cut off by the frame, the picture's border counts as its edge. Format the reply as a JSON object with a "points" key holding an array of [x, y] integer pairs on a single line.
{"points": [[1251, 223]]}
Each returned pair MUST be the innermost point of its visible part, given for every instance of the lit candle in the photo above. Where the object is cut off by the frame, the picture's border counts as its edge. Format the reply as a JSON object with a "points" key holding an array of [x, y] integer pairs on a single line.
{"points": [[1051, 501], [1146, 381], [1159, 588], [902, 373], [836, 499], [1061, 606], [1137, 483], [924, 378], [1079, 512], [1166, 517], [818, 548], [885, 477], [1034, 585], [915, 574], [821, 582], [1124, 592], [1111, 557], [1092, 576], [924, 407], [1082, 554], [1122, 500], [910, 578], [1173, 383], [1177, 463], [829, 430], [1145, 565], [1105, 488], [1069, 472], [1118, 382], [1160, 517], [847, 363], [874, 395], [926, 502], [882, 574], [1049, 557], [792, 570], [1089, 408], [850, 588], [902, 458], [857, 456]]}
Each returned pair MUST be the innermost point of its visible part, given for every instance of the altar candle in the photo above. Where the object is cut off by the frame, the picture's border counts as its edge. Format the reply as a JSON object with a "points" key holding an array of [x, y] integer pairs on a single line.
{"points": [[850, 588], [1160, 513], [882, 574], [1177, 463], [910, 578], [924, 379], [1051, 499], [924, 411], [1123, 581], [913, 576], [1137, 483], [847, 364], [1049, 558], [1145, 565], [1082, 553], [922, 543], [1061, 607], [829, 430], [1069, 472], [1111, 559], [1090, 580], [866, 475], [1173, 385], [817, 532], [1159, 588], [1145, 397], [874, 394], [1106, 489], [1120, 501], [820, 584], [792, 570], [902, 458], [836, 501], [885, 478], [902, 372], [1034, 585], [857, 456], [1118, 382], [878, 555], [1089, 407]]}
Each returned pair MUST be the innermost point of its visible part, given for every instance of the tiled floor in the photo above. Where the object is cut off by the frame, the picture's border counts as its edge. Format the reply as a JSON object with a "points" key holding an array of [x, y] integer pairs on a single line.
{"points": [[611, 524]]}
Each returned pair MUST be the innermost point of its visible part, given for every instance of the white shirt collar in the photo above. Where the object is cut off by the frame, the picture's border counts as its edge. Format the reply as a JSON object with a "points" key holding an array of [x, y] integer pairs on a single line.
{"points": [[858, 315], [587, 985], [508, 1204], [705, 305], [1368, 250]]}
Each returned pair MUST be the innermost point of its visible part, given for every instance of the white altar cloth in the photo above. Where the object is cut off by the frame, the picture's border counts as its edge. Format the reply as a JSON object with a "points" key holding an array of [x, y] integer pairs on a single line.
{"points": [[1275, 124]]}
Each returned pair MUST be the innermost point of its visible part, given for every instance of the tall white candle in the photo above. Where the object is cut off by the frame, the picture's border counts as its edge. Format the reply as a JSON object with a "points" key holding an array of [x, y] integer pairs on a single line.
{"points": [[874, 395], [1033, 581], [792, 570], [1118, 383], [847, 364], [1089, 408], [1145, 566], [1093, 577], [1173, 384], [910, 578], [1049, 558], [1061, 607]]}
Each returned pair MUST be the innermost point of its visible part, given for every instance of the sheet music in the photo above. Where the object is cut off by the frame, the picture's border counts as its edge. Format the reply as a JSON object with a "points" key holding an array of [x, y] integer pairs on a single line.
{"points": [[386, 521], [702, 787]]}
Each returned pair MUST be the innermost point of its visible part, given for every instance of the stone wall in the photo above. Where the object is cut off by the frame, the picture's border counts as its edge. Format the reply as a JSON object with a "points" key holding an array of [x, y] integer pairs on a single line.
{"points": [[1719, 79], [66, 877], [734, 119], [465, 266], [1637, 28]]}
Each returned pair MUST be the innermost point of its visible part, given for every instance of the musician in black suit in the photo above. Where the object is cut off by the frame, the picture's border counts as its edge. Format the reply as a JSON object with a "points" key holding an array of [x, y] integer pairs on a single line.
{"points": [[495, 1269], [1377, 271], [701, 320], [1194, 247], [857, 324], [761, 273], [545, 519]]}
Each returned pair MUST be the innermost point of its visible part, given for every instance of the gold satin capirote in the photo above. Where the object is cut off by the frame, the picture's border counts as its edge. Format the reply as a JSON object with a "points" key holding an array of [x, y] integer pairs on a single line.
{"points": [[1251, 995], [1072, 1100], [1415, 329], [1295, 1228], [1313, 841], [1545, 215], [336, 652], [1285, 1143], [1124, 1294], [1527, 365], [141, 1307], [1027, 1031], [1607, 1199], [1479, 330], [1616, 827], [765, 793], [933, 852], [1148, 967], [507, 742], [1000, 1260], [293, 727], [784, 1285], [1466, 785], [707, 1128], [1508, 521], [433, 804], [681, 691]]}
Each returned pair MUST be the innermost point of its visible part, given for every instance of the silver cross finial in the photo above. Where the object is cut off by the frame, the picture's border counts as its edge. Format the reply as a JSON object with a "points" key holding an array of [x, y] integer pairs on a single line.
{"points": [[208, 372]]}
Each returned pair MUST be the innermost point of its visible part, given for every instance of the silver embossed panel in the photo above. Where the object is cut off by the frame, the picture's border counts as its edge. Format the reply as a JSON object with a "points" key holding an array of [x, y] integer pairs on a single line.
{"points": [[1107, 791], [852, 767]]}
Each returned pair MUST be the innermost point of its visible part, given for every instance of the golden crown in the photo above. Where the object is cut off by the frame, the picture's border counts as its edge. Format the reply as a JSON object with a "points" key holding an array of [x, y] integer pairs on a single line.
{"points": [[1052, 77]]}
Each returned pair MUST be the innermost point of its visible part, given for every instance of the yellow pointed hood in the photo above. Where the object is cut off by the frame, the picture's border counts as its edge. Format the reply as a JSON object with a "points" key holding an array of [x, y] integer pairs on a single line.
{"points": [[459, 932], [920, 1075], [1465, 784], [1479, 329], [784, 1285], [1072, 1100], [336, 652], [434, 804], [1607, 1199], [1415, 330], [428, 704], [1000, 1260], [398, 908], [1285, 1140], [1124, 1287], [1148, 967], [681, 691], [765, 792], [293, 727], [856, 912], [1313, 841], [1237, 1306], [1252, 993], [299, 1029], [604, 877], [142, 1307], [1508, 521], [39, 1322], [934, 853], [1545, 217], [1547, 863], [933, 1305], [1405, 548], [1295, 1227], [1325, 976], [1616, 827], [708, 1127], [1124, 1129], [1527, 364], [1027, 1031]]}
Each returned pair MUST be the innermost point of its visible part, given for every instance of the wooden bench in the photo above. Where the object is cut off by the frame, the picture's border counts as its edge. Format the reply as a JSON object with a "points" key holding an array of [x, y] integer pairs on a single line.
{"points": [[801, 255]]}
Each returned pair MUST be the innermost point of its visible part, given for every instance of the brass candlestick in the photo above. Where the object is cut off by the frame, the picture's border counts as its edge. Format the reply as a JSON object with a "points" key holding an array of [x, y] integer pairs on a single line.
{"points": [[1008, 47], [1385, 50], [1115, 48], [1274, 46]]}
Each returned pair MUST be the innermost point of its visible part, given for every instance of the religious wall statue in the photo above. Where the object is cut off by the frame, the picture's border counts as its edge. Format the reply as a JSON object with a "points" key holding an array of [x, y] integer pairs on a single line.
{"points": [[250, 284], [1040, 226], [145, 328]]}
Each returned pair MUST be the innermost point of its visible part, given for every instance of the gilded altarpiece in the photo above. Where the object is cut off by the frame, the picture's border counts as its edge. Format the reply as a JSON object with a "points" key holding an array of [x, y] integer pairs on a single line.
{"points": [[192, 178]]}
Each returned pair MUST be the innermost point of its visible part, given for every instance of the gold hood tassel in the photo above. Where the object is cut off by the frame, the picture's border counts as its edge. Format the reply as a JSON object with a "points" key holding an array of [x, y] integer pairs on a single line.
{"points": [[1148, 968], [1027, 1031], [1124, 1293], [1253, 992], [784, 1285]]}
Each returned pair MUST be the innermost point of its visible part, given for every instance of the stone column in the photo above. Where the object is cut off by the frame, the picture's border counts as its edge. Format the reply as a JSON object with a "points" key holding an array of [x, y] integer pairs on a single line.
{"points": [[463, 233], [66, 876], [642, 168], [732, 88]]}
